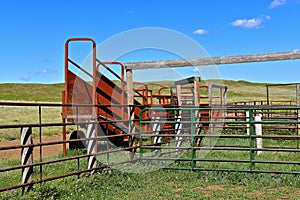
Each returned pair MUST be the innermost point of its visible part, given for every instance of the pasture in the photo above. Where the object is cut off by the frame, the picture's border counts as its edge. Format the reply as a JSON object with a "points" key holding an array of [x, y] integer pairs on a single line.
{"points": [[112, 183]]}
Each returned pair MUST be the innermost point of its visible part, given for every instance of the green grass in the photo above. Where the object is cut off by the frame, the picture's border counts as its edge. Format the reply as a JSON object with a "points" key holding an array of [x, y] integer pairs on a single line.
{"points": [[31, 92], [113, 184], [237, 91], [162, 184], [29, 115]]}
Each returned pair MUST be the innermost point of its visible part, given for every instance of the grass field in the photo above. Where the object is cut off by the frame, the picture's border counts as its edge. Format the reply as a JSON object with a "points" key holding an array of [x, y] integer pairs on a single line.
{"points": [[31, 92], [161, 184], [237, 91]]}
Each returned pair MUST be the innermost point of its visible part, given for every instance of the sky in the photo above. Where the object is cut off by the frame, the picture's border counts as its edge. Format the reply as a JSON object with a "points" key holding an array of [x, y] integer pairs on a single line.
{"points": [[33, 34]]}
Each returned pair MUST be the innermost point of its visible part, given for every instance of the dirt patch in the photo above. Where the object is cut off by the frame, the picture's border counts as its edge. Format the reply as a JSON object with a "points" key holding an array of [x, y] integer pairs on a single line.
{"points": [[46, 150], [212, 187], [277, 193], [177, 196], [177, 190], [215, 187]]}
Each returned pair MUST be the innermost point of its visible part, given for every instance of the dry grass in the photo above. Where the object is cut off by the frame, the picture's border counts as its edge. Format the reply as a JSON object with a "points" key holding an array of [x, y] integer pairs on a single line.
{"points": [[237, 91]]}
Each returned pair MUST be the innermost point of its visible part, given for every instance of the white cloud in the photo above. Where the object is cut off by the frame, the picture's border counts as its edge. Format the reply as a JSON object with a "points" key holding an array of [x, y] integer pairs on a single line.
{"points": [[200, 32], [46, 71], [24, 78], [277, 3], [296, 50], [197, 69], [252, 23]]}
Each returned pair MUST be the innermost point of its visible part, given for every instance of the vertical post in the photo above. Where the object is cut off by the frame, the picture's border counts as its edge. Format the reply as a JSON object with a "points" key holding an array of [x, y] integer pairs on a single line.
{"points": [[211, 112], [91, 145], [197, 112], [40, 141], [130, 102], [258, 132], [141, 141], [247, 125], [193, 138], [224, 103], [179, 99], [178, 128], [129, 80], [225, 96], [251, 145], [210, 94], [298, 113], [27, 157], [196, 91], [268, 101], [236, 112], [64, 136], [156, 129], [64, 117]]}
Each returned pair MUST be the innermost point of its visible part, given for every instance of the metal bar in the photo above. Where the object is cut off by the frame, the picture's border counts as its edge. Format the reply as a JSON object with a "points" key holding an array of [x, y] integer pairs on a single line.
{"points": [[64, 159], [193, 162], [60, 176], [40, 141], [61, 142], [233, 170], [104, 64], [78, 66]]}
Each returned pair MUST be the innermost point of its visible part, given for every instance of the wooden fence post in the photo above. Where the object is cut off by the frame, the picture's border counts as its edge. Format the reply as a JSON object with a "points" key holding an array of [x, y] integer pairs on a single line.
{"points": [[131, 109], [27, 157]]}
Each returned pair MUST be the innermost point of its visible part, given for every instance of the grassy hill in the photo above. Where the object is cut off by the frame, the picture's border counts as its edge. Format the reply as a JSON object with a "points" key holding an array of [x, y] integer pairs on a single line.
{"points": [[31, 92], [237, 91]]}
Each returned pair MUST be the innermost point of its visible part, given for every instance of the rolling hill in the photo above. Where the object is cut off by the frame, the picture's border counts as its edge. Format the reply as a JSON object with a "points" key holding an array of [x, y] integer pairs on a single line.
{"points": [[237, 91]]}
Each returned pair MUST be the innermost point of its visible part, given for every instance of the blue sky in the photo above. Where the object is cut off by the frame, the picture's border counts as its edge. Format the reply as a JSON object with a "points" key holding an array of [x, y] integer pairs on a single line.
{"points": [[33, 33]]}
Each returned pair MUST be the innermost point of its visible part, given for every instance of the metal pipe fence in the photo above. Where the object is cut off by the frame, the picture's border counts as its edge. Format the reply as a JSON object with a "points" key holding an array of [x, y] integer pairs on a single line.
{"points": [[170, 138], [40, 147], [222, 149]]}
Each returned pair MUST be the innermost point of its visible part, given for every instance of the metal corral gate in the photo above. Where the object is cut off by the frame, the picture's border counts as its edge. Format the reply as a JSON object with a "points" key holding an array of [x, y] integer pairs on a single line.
{"points": [[191, 147]]}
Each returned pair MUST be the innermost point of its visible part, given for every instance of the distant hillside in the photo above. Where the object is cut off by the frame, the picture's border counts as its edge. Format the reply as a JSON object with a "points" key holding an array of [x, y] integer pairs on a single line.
{"points": [[31, 92], [237, 91], [248, 91]]}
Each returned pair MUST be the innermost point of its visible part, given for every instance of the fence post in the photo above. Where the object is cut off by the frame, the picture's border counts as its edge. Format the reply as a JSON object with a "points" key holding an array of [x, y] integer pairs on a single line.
{"points": [[178, 138], [251, 145], [258, 132], [247, 119], [192, 124], [298, 112], [27, 157], [156, 129], [91, 145], [131, 109]]}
